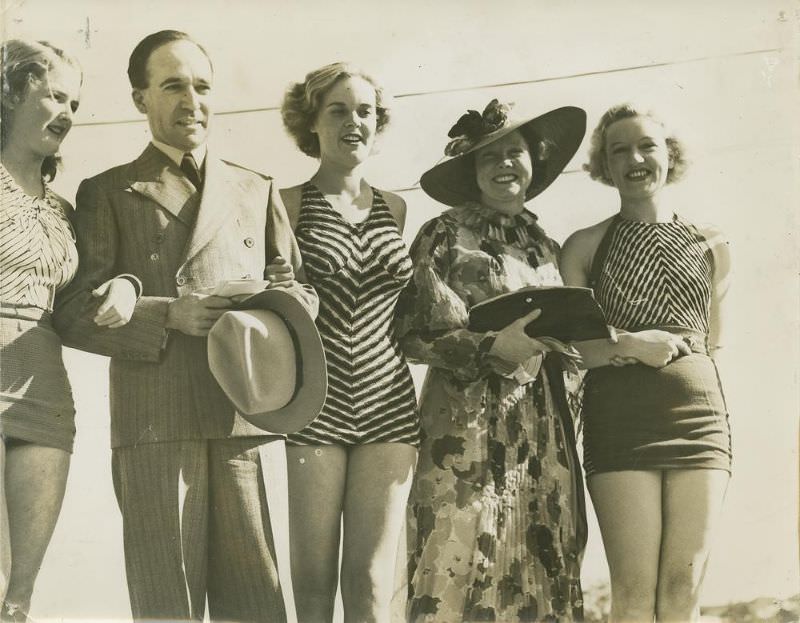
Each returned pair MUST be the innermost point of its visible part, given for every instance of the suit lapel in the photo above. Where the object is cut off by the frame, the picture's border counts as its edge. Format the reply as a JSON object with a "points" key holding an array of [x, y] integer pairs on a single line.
{"points": [[159, 179], [216, 205]]}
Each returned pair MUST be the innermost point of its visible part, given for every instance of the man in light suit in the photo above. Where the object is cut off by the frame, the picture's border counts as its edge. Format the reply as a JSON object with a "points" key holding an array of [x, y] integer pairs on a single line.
{"points": [[186, 467]]}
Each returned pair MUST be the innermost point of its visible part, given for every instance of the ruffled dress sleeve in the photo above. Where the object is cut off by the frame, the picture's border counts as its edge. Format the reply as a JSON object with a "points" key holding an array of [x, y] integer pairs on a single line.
{"points": [[431, 318]]}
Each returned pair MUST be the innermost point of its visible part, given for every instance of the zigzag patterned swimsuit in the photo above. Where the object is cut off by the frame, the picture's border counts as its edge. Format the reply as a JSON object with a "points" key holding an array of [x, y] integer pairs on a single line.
{"points": [[358, 271]]}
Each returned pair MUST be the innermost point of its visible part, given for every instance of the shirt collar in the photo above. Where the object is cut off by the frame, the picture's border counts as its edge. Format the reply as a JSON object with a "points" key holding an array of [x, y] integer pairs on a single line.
{"points": [[176, 155]]}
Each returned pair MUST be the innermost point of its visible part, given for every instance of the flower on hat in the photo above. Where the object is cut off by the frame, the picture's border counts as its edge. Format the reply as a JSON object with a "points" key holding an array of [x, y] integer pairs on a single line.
{"points": [[473, 126]]}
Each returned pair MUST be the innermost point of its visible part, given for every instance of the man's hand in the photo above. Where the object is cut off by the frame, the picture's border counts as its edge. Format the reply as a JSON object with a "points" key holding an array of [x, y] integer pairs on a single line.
{"points": [[196, 313], [280, 273], [117, 308]]}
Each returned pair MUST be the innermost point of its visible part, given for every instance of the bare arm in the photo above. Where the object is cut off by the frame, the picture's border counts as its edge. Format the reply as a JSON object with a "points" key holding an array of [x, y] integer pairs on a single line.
{"points": [[720, 284], [654, 348], [283, 251], [397, 208], [575, 265], [291, 201]]}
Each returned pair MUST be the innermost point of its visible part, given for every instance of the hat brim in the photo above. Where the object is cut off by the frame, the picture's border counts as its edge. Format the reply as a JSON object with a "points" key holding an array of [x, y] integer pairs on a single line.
{"points": [[312, 387], [453, 182]]}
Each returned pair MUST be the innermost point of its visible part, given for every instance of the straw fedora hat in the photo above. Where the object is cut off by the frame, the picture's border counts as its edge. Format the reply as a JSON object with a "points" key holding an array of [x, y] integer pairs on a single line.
{"points": [[453, 181], [267, 357]]}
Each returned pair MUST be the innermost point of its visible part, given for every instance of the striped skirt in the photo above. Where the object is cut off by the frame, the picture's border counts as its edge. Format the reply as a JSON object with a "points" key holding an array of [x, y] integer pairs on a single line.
{"points": [[35, 396]]}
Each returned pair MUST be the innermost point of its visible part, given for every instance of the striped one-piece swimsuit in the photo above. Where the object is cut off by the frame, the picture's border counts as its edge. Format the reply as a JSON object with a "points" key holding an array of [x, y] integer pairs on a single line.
{"points": [[358, 271], [656, 275]]}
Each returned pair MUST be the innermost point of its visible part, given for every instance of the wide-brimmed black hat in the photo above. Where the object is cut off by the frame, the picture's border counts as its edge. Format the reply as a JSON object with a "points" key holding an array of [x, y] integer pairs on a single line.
{"points": [[454, 182]]}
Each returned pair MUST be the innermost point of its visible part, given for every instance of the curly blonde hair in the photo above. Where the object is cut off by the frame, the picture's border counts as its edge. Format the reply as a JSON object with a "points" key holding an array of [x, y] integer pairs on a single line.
{"points": [[597, 150], [302, 102], [23, 64]]}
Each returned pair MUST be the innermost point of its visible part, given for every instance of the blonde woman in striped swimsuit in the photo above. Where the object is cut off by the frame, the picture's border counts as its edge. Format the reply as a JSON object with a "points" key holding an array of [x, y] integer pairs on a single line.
{"points": [[40, 89], [656, 437], [355, 462]]}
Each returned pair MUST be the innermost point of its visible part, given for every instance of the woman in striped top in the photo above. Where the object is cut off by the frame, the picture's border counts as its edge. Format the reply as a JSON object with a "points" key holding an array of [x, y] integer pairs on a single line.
{"points": [[40, 87], [656, 436], [356, 460]]}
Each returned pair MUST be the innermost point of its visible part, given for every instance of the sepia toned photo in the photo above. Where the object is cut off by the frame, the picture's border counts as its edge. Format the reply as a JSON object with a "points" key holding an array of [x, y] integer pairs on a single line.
{"points": [[358, 311]]}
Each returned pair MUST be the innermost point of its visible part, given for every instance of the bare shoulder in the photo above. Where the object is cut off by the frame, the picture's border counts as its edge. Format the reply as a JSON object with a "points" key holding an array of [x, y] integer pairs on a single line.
{"points": [[582, 244], [292, 195], [291, 198], [397, 207]]}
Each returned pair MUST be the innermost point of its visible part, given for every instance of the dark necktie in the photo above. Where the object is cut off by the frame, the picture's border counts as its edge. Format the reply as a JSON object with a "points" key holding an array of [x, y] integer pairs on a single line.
{"points": [[190, 170]]}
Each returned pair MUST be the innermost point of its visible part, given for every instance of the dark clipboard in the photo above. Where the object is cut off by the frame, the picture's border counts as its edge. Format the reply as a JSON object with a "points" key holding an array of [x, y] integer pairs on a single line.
{"points": [[569, 314]]}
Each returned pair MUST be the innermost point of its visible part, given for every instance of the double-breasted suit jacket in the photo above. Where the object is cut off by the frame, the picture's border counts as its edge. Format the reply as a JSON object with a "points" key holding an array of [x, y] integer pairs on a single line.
{"points": [[146, 219]]}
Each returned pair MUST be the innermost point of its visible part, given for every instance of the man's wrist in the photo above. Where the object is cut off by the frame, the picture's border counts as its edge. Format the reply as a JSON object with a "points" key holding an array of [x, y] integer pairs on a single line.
{"points": [[169, 321]]}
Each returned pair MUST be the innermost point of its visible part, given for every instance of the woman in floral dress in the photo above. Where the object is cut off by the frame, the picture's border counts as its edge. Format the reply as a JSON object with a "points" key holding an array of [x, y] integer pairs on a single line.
{"points": [[497, 510]]}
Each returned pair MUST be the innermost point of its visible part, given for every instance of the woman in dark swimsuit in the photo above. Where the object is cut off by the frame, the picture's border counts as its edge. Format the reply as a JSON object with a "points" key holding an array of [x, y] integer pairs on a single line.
{"points": [[656, 437]]}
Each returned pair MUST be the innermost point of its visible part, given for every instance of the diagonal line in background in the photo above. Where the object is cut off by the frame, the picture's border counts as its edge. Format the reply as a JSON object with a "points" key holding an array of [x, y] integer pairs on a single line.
{"points": [[585, 74]]}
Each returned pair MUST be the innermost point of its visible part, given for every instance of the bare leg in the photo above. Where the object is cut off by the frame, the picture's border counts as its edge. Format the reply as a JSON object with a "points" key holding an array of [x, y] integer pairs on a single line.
{"points": [[379, 478], [692, 502], [628, 508], [35, 481], [316, 490], [5, 539]]}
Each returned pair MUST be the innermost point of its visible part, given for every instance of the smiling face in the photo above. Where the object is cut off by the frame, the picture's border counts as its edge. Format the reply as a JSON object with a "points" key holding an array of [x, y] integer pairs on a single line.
{"points": [[41, 120], [637, 157], [346, 122], [177, 97], [504, 171]]}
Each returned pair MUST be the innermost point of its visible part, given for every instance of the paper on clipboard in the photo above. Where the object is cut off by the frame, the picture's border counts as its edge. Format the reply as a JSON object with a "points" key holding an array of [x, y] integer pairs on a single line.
{"points": [[239, 287]]}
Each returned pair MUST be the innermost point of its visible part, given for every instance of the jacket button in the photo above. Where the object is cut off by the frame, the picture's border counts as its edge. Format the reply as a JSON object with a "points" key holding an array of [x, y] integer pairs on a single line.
{"points": [[181, 280], [247, 276], [249, 242], [154, 257]]}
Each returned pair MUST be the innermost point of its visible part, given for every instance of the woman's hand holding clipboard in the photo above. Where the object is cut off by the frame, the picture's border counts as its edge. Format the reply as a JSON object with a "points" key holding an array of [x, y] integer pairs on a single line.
{"points": [[569, 314]]}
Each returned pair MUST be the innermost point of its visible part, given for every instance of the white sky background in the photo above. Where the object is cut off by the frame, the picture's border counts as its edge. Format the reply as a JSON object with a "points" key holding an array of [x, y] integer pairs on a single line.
{"points": [[723, 72]]}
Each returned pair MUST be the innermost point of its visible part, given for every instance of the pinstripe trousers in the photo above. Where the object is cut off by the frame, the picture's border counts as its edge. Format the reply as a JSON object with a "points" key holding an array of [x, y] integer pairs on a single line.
{"points": [[196, 526]]}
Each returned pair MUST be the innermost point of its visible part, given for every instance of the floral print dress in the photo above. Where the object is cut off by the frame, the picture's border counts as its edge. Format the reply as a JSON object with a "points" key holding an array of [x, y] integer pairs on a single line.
{"points": [[496, 515]]}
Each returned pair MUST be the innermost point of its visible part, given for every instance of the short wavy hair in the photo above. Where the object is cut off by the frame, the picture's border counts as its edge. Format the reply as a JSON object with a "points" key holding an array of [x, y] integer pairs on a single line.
{"points": [[302, 101], [137, 63], [25, 63], [596, 167]]}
